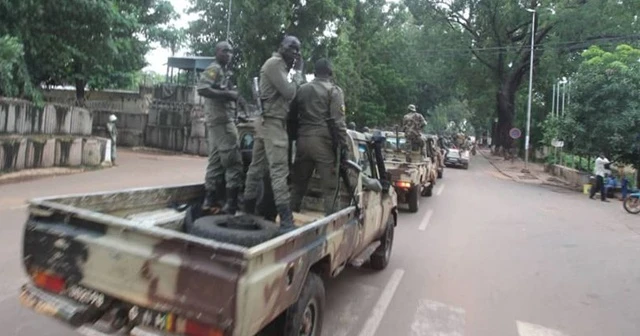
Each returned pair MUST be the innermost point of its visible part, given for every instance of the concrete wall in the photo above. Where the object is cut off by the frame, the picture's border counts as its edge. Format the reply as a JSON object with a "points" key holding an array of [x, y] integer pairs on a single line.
{"points": [[36, 151], [22, 117], [574, 177], [112, 100], [130, 126]]}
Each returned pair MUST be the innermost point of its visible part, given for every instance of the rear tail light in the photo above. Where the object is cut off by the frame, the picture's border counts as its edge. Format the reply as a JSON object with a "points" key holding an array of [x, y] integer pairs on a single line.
{"points": [[48, 281], [403, 184], [188, 327]]}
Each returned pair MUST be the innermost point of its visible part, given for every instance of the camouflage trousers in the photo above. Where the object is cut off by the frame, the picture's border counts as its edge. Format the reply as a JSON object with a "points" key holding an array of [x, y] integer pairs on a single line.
{"points": [[314, 153], [225, 162], [270, 154]]}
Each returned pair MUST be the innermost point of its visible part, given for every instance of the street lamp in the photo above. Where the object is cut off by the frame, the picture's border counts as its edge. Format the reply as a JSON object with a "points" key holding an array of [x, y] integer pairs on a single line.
{"points": [[533, 36]]}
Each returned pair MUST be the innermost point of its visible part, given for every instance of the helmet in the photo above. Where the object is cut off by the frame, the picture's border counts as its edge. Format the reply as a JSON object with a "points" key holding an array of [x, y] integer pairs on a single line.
{"points": [[351, 125], [113, 118], [411, 108]]}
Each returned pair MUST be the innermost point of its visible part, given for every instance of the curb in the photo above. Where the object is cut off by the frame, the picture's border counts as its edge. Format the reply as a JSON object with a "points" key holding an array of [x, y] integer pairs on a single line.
{"points": [[496, 167], [542, 182]]}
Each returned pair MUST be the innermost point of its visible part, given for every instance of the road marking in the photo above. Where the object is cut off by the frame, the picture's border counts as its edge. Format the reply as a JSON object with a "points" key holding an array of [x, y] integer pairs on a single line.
{"points": [[529, 329], [440, 190], [425, 220], [90, 332], [19, 207], [435, 318], [372, 324]]}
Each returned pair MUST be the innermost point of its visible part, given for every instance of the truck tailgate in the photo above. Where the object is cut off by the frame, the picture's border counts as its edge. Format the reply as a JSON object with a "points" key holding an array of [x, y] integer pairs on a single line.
{"points": [[150, 268]]}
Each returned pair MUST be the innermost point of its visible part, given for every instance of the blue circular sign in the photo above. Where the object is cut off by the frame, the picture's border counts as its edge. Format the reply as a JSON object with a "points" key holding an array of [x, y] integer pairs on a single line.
{"points": [[515, 133]]}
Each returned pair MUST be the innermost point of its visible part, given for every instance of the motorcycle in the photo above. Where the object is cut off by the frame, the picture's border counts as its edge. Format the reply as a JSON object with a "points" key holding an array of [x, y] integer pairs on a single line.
{"points": [[632, 203]]}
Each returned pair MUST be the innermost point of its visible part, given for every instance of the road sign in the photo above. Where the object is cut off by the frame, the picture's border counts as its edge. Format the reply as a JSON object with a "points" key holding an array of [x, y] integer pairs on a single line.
{"points": [[557, 143], [515, 133]]}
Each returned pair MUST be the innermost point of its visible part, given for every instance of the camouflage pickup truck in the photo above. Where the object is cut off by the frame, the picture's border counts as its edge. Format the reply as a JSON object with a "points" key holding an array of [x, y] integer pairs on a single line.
{"points": [[412, 174], [123, 262]]}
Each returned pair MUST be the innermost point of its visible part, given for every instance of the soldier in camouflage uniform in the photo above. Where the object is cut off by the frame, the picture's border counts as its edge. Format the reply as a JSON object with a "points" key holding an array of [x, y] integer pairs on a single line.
{"points": [[413, 123], [224, 169], [270, 148], [315, 102]]}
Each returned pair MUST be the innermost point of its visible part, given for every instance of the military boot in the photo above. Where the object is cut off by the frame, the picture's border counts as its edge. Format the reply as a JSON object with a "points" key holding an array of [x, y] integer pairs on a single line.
{"points": [[231, 206], [286, 218], [250, 206], [210, 199]]}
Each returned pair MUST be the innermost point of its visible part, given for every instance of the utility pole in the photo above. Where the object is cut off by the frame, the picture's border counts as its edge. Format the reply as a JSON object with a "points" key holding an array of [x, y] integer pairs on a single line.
{"points": [[553, 101], [526, 138], [229, 19]]}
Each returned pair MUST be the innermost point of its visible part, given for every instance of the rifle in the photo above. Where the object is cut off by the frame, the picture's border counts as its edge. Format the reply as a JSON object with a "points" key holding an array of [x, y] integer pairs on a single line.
{"points": [[255, 88], [342, 164]]}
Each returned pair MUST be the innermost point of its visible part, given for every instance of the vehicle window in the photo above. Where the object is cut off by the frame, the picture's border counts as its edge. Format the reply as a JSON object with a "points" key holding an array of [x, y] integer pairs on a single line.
{"points": [[247, 141], [391, 143], [363, 160]]}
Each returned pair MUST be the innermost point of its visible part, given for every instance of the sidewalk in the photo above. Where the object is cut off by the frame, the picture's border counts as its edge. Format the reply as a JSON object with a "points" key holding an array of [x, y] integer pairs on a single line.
{"points": [[514, 171]]}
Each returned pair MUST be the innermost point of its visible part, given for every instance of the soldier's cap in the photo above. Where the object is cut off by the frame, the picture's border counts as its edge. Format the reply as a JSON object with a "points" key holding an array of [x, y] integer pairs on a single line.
{"points": [[411, 108]]}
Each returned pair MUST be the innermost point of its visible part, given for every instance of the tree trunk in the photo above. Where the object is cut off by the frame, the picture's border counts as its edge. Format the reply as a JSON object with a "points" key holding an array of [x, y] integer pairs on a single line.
{"points": [[506, 102], [80, 84]]}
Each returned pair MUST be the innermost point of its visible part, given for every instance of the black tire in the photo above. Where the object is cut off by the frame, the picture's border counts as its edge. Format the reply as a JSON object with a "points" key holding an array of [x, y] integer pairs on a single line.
{"points": [[380, 258], [632, 205], [245, 230], [466, 166], [428, 191], [440, 173], [308, 311], [414, 198]]}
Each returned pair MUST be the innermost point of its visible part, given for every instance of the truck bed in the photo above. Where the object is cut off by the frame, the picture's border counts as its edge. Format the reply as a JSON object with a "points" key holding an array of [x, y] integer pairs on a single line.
{"points": [[130, 246]]}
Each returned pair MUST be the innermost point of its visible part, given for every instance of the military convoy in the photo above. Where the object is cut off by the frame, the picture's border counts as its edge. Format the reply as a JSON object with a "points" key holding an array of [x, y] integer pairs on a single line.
{"points": [[130, 262]]}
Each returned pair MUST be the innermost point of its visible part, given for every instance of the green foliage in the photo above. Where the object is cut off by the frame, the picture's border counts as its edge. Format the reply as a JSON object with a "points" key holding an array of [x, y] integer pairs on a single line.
{"points": [[14, 78], [100, 43], [605, 110]]}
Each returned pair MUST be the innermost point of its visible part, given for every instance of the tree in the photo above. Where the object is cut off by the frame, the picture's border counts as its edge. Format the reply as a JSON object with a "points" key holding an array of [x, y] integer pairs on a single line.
{"points": [[501, 40], [173, 38], [96, 42], [14, 77], [605, 112]]}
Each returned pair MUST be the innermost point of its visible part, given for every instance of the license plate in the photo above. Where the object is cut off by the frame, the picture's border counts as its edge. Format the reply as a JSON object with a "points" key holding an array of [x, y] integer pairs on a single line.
{"points": [[153, 319], [86, 296]]}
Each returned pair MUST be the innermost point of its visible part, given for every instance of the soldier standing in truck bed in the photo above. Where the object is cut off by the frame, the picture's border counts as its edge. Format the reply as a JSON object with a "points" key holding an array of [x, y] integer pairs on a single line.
{"points": [[224, 169], [412, 123], [270, 147], [314, 104]]}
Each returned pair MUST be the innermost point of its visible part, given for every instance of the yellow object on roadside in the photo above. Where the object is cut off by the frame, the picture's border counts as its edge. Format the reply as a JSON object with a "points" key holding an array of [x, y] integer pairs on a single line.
{"points": [[586, 188]]}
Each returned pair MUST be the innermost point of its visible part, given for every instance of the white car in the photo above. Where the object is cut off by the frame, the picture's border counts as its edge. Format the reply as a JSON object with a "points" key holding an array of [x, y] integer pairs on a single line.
{"points": [[457, 158]]}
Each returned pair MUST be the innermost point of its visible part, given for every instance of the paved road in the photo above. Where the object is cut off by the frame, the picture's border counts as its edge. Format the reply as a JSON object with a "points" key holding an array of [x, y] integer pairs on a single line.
{"points": [[485, 256]]}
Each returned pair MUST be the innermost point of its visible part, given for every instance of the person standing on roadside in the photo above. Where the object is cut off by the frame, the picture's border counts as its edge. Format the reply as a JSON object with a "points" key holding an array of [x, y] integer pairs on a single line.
{"points": [[113, 135], [224, 168], [600, 170], [270, 147]]}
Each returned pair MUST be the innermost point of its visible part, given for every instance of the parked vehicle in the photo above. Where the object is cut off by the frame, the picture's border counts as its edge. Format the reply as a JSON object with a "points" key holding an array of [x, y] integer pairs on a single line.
{"points": [[457, 158], [130, 260], [632, 203]]}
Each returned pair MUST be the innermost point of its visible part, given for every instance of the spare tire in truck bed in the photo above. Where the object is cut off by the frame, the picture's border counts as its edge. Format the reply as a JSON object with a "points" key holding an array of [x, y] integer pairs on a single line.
{"points": [[244, 230]]}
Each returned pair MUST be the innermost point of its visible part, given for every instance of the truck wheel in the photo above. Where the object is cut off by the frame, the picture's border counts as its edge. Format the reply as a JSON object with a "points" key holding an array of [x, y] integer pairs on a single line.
{"points": [[306, 315], [380, 258], [428, 191], [466, 166], [414, 198], [245, 230]]}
